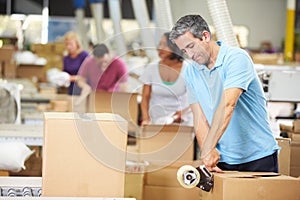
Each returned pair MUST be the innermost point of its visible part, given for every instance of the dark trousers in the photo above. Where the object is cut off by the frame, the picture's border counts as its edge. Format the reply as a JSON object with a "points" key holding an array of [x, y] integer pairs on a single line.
{"points": [[266, 164]]}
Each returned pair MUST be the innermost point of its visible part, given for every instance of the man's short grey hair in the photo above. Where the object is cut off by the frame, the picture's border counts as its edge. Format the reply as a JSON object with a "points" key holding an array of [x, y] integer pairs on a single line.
{"points": [[194, 24], [100, 50]]}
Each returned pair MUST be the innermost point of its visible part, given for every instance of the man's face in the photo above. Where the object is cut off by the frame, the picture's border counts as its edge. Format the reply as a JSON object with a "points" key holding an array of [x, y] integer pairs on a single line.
{"points": [[193, 47], [103, 61]]}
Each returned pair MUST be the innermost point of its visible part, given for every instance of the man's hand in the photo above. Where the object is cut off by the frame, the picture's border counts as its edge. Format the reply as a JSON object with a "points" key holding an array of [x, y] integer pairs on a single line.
{"points": [[211, 160]]}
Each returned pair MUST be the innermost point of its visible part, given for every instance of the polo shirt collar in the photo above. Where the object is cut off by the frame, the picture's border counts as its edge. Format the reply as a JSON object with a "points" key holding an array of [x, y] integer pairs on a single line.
{"points": [[221, 54]]}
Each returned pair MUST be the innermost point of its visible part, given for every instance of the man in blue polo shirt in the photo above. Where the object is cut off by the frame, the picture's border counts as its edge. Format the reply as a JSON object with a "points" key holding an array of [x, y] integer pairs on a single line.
{"points": [[230, 116]]}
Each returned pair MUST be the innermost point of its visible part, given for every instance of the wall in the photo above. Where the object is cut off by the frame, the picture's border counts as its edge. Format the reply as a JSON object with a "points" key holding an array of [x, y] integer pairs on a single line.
{"points": [[265, 19]]}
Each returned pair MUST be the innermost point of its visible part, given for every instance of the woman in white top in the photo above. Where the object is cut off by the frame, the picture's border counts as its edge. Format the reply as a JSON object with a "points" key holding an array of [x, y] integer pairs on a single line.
{"points": [[164, 96]]}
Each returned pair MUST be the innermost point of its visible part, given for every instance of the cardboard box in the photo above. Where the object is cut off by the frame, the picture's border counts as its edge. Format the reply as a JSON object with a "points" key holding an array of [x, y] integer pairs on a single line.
{"points": [[134, 178], [265, 58], [121, 103], [293, 126], [162, 183], [166, 143], [253, 185], [59, 105], [33, 165], [295, 159], [170, 193], [294, 136], [7, 62], [4, 173], [284, 155], [31, 71], [7, 53], [7, 69], [158, 174], [134, 183], [296, 125], [84, 155]]}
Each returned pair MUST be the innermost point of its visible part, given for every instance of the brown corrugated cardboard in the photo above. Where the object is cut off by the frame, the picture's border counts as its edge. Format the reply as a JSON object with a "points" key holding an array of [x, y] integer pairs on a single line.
{"points": [[134, 183], [284, 155], [162, 183], [9, 68], [296, 125], [4, 173], [7, 63], [294, 136], [295, 159], [293, 126], [84, 155], [31, 71], [6, 53], [166, 143], [170, 193], [166, 176], [253, 185], [295, 171], [121, 103], [163, 177]]}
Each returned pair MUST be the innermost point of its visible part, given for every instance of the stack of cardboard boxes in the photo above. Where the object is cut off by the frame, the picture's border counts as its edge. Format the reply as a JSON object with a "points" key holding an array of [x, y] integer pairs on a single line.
{"points": [[293, 132], [166, 148], [52, 52], [7, 62]]}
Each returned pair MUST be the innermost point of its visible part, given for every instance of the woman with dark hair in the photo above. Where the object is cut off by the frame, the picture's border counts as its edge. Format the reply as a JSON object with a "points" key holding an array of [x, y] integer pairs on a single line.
{"points": [[164, 96]]}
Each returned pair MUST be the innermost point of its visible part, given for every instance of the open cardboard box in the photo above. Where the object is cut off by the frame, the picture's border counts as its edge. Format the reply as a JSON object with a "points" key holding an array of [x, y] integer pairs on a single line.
{"points": [[166, 144], [122, 103], [253, 185], [284, 155], [84, 155]]}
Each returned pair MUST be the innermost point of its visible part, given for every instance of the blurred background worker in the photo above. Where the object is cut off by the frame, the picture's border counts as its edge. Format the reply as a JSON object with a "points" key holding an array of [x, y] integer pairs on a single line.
{"points": [[102, 72], [73, 60], [164, 97]]}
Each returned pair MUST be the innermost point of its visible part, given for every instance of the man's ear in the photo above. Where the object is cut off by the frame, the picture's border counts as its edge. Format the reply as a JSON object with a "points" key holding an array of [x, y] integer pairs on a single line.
{"points": [[205, 35]]}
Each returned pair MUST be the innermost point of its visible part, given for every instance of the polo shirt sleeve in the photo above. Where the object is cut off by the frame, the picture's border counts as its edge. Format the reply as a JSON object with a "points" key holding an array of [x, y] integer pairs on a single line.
{"points": [[239, 71]]}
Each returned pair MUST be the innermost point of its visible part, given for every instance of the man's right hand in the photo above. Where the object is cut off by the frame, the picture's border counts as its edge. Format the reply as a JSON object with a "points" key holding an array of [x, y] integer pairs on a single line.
{"points": [[211, 160]]}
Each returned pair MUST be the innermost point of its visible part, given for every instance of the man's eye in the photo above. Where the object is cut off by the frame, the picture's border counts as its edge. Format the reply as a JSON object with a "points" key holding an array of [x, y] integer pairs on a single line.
{"points": [[191, 46]]}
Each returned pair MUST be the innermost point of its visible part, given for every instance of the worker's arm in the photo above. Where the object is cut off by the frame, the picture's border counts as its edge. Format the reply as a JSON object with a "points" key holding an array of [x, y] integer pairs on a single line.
{"points": [[146, 94], [85, 89], [201, 126], [123, 87], [73, 78], [221, 119]]}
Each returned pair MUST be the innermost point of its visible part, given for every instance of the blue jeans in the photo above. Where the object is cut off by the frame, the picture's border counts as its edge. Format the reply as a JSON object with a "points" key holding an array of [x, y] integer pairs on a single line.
{"points": [[266, 164]]}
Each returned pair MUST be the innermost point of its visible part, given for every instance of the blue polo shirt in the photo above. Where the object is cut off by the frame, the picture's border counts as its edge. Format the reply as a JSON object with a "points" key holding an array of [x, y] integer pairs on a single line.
{"points": [[248, 136]]}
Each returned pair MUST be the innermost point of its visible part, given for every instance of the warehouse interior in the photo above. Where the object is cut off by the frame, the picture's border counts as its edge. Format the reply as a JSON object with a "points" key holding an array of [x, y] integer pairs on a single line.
{"points": [[53, 146]]}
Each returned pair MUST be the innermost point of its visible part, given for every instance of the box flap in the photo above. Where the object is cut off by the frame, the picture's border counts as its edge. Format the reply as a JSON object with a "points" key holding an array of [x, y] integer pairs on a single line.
{"points": [[152, 129], [84, 116], [237, 174]]}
